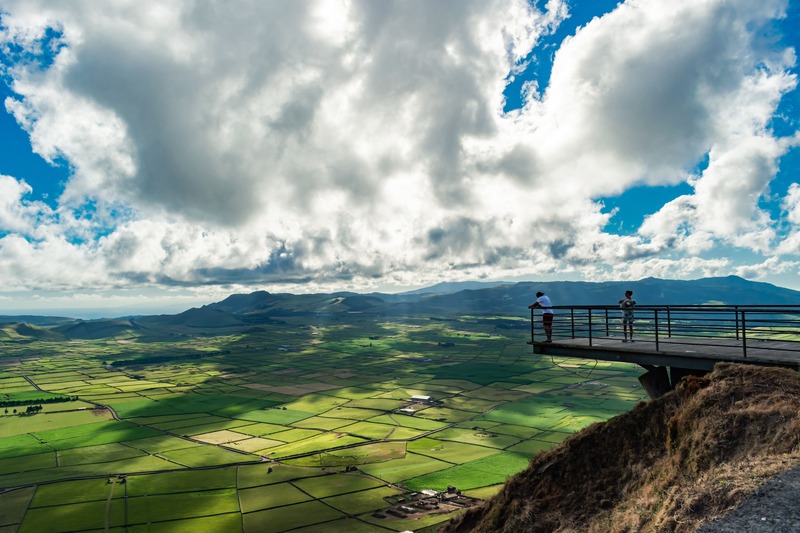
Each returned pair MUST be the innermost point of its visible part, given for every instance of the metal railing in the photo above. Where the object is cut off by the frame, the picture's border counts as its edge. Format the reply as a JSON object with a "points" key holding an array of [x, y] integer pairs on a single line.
{"points": [[692, 325]]}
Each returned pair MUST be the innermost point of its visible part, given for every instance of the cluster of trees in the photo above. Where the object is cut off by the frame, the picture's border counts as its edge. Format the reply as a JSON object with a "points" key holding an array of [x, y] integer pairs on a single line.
{"points": [[31, 410], [159, 359], [35, 401]]}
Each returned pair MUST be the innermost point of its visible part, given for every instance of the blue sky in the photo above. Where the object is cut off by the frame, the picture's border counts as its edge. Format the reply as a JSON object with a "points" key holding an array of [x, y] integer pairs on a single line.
{"points": [[158, 155]]}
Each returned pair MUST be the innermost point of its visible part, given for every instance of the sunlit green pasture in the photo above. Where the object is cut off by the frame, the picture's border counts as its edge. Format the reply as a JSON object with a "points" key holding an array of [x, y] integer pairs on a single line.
{"points": [[335, 484], [21, 445], [162, 507], [276, 416], [362, 455], [482, 472], [322, 423], [268, 474], [13, 506], [410, 466], [268, 496], [480, 437], [183, 481], [352, 413], [372, 431], [160, 444], [362, 501], [93, 434], [254, 444], [289, 517], [409, 422], [16, 425], [83, 516], [210, 425], [100, 453], [82, 490], [452, 452], [25, 463], [258, 429], [228, 522], [445, 414], [313, 445], [201, 455]]}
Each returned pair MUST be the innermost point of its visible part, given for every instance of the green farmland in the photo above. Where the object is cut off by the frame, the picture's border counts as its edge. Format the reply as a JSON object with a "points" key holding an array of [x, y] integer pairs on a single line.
{"points": [[295, 425]]}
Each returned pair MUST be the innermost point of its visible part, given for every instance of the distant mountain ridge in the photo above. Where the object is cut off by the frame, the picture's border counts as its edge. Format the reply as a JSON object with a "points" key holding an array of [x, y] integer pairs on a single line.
{"points": [[455, 286], [37, 320], [492, 298], [649, 291], [513, 298]]}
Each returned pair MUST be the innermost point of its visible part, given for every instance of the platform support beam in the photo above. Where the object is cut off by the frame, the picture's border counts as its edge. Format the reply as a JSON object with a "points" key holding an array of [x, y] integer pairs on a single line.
{"points": [[656, 381], [659, 380]]}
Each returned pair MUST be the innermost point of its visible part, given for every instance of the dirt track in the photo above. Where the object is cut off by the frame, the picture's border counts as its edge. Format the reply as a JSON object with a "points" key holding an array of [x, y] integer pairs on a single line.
{"points": [[775, 507]]}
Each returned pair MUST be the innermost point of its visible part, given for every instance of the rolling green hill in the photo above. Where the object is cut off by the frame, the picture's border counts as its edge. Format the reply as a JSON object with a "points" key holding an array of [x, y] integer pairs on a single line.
{"points": [[95, 329], [204, 317], [22, 331]]}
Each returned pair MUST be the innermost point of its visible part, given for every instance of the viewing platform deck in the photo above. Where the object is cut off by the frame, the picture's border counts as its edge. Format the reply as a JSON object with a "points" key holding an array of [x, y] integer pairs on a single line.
{"points": [[686, 339], [697, 355]]}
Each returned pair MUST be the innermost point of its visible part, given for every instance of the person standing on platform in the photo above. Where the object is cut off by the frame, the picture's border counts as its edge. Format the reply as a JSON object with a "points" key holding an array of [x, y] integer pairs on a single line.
{"points": [[546, 305], [627, 304]]}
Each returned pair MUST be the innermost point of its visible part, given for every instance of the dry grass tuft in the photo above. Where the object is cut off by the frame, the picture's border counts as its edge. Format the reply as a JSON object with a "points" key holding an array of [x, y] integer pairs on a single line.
{"points": [[667, 465]]}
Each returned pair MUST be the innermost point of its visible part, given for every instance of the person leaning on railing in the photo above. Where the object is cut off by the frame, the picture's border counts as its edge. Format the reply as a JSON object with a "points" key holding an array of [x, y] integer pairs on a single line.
{"points": [[546, 305]]}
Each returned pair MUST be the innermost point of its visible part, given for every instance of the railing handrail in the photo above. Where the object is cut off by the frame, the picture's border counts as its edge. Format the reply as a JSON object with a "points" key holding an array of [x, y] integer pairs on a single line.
{"points": [[702, 307]]}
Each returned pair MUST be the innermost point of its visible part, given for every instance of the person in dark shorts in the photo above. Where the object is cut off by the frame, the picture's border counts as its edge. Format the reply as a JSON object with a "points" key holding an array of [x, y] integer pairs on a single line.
{"points": [[546, 305], [626, 305]]}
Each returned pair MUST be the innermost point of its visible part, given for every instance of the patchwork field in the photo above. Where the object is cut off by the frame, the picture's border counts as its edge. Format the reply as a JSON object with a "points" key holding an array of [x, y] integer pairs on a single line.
{"points": [[307, 424]]}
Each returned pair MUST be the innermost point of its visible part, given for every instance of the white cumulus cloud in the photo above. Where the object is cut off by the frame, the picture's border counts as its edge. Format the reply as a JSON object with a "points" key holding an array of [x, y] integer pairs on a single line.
{"points": [[358, 142]]}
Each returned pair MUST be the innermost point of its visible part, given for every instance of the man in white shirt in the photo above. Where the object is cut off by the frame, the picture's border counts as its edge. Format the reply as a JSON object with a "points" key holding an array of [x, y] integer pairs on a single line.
{"points": [[546, 305]]}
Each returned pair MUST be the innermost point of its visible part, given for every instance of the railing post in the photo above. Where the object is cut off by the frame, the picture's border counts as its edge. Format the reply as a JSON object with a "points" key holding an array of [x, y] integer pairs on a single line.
{"points": [[533, 327], [655, 325], [744, 336], [736, 313], [590, 326], [607, 331], [572, 320], [669, 323]]}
